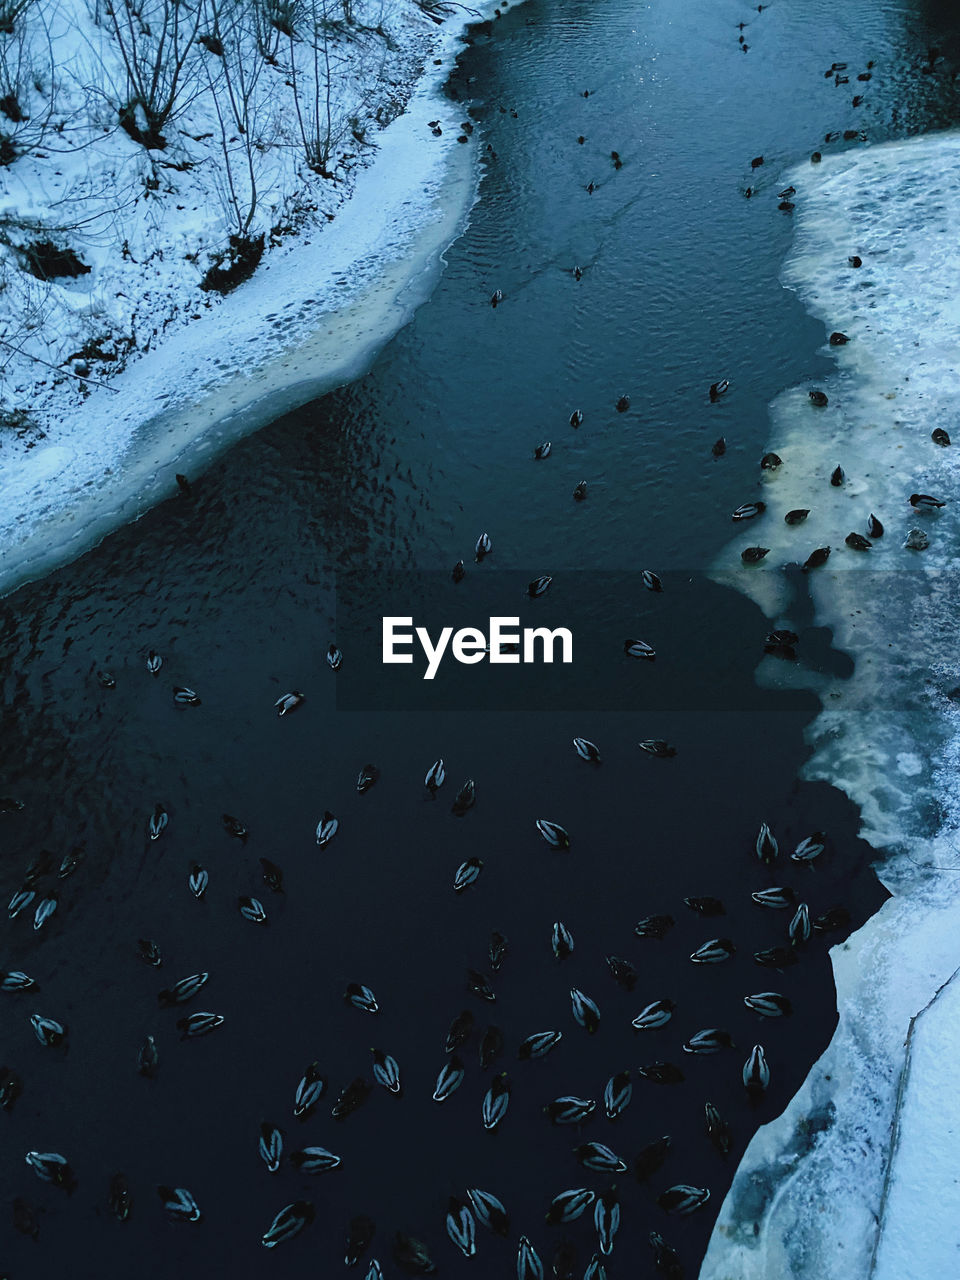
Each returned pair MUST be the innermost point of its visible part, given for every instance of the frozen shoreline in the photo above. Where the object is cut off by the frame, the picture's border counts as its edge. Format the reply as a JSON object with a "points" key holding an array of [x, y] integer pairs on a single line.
{"points": [[813, 1195], [315, 313]]}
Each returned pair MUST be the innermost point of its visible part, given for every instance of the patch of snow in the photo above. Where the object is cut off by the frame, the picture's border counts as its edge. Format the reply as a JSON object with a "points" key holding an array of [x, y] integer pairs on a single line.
{"points": [[355, 257]]}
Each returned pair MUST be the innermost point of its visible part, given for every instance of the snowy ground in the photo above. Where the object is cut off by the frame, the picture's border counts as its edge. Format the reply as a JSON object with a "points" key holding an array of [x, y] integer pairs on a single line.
{"points": [[923, 1201], [828, 1190], [194, 370]]}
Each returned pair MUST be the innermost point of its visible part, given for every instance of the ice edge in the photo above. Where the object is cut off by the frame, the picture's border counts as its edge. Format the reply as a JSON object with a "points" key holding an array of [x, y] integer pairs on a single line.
{"points": [[824, 1190]]}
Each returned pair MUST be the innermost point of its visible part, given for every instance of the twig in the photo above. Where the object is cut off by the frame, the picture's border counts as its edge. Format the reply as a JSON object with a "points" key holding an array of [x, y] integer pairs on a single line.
{"points": [[56, 368]]}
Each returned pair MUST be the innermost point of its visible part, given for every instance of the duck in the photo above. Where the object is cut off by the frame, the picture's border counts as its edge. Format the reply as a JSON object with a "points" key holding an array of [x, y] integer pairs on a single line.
{"points": [[361, 997], [288, 702], [198, 880], [327, 828], [569, 1109], [158, 822], [308, 1093], [749, 510], [816, 558], [270, 1146], [651, 1157], [367, 778], [756, 1072], [252, 909], [233, 826], [489, 1211], [449, 1079], [857, 542]]}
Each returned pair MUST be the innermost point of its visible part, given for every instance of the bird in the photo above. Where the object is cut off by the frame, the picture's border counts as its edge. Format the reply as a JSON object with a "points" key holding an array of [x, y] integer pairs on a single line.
{"points": [[288, 702], [857, 542], [816, 558]]}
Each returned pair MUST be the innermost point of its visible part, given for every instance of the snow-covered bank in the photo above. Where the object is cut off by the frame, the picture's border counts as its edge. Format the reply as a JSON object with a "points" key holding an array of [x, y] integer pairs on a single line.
{"points": [[808, 1197], [923, 1202], [311, 317]]}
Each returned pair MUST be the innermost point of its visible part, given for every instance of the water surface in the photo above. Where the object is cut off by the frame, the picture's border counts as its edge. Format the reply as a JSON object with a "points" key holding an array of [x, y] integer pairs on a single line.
{"points": [[401, 471]]}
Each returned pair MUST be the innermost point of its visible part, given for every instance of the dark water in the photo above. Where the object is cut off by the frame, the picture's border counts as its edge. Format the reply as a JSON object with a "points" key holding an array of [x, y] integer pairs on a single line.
{"points": [[401, 472]]}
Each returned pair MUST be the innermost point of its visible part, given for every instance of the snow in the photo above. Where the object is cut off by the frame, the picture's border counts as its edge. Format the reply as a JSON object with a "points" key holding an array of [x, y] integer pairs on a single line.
{"points": [[828, 1185], [923, 1203], [357, 256]]}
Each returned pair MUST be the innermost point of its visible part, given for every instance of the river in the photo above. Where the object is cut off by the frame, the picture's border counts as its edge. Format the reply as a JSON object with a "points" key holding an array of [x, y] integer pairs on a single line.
{"points": [[385, 484]]}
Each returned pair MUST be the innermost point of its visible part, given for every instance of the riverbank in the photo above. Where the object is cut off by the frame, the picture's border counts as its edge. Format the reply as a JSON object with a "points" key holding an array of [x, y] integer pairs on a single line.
{"points": [[320, 304], [817, 1189]]}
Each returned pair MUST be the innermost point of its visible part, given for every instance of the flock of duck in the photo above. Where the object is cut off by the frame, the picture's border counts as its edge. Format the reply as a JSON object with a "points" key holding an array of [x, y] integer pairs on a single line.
{"points": [[474, 1212]]}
